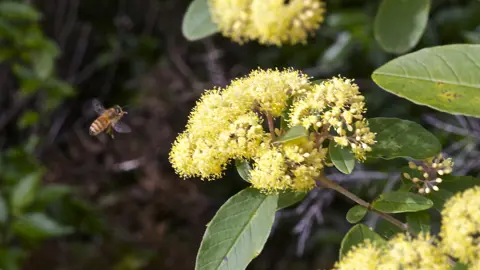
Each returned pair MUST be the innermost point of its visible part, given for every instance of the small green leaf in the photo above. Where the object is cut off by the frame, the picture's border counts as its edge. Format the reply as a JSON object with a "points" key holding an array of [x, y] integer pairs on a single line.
{"points": [[342, 158], [11, 258], [419, 222], [286, 115], [450, 186], [52, 193], [23, 193], [294, 133], [357, 235], [238, 231], [44, 61], [289, 198], [197, 23], [400, 202], [444, 78], [18, 11], [399, 25], [356, 213], [401, 138], [243, 169], [38, 226], [459, 266], [386, 229], [3, 210], [28, 119]]}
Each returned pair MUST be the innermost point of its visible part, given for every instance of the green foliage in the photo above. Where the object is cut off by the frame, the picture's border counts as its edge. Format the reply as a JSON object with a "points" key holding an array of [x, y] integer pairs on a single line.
{"points": [[24, 192], [401, 138], [197, 23], [36, 226], [400, 202], [342, 158], [243, 169], [293, 133], [356, 213], [289, 198], [238, 231], [395, 37], [419, 222], [442, 77], [357, 235], [449, 186]]}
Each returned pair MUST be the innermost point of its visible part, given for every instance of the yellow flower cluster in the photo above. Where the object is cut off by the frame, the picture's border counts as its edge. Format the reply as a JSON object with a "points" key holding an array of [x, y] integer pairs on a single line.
{"points": [[227, 124], [400, 252], [271, 22], [431, 171], [336, 105], [460, 229]]}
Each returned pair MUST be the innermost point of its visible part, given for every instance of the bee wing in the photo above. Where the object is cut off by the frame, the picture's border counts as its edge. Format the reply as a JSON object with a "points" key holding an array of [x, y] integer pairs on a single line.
{"points": [[121, 127], [98, 107]]}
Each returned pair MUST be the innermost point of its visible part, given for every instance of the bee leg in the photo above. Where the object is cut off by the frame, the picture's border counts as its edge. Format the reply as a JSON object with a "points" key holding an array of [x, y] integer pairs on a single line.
{"points": [[110, 132]]}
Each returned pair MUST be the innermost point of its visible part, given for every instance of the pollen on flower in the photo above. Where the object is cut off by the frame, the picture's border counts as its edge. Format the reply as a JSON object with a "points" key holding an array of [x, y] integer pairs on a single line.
{"points": [[461, 226], [404, 252], [336, 105], [361, 257], [232, 18]]}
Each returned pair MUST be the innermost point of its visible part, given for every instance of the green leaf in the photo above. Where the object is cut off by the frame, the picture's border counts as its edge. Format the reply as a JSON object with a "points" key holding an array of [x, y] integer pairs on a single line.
{"points": [[197, 22], [286, 115], [296, 132], [11, 258], [450, 185], [400, 202], [44, 60], [28, 119], [459, 266], [419, 222], [52, 193], [288, 198], [238, 231], [356, 213], [18, 11], [357, 235], [3, 210], [23, 193], [342, 158], [399, 25], [243, 169], [401, 138], [387, 229], [38, 226], [444, 78]]}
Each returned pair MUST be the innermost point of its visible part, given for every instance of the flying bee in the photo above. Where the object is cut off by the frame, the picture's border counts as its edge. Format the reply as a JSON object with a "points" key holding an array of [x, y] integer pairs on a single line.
{"points": [[108, 120]]}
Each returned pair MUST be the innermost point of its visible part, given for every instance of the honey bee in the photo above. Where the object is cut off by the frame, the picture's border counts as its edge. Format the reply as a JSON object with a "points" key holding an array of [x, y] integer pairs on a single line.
{"points": [[108, 120]]}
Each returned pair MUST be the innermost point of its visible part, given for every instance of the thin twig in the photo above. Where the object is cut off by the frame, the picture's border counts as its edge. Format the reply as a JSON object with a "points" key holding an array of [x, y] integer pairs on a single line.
{"points": [[271, 127], [329, 184]]}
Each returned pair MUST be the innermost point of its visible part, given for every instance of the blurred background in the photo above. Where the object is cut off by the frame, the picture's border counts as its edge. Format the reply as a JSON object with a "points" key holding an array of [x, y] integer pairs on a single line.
{"points": [[72, 201]]}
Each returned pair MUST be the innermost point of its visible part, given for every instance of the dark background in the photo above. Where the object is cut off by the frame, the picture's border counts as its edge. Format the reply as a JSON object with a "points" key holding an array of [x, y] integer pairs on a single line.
{"points": [[128, 208]]}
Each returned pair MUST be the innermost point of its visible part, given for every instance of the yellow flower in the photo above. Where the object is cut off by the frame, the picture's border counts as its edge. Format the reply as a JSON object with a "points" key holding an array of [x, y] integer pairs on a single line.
{"points": [[276, 22], [403, 252], [232, 18], [336, 105], [461, 226], [362, 257], [428, 176], [293, 165]]}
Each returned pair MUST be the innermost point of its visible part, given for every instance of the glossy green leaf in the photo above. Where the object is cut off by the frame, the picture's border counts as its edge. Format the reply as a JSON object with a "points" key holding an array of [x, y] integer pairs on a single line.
{"points": [[460, 266], [342, 158], [357, 235], [293, 133], [197, 23], [419, 222], [399, 25], [449, 186], [356, 213], [386, 229], [18, 11], [38, 226], [238, 231], [401, 138], [3, 210], [243, 169], [289, 198], [23, 193], [400, 202], [52, 193], [44, 61], [444, 78]]}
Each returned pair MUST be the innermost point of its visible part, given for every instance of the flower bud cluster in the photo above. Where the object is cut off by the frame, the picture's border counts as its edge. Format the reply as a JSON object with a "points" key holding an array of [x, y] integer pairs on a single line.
{"points": [[429, 173]]}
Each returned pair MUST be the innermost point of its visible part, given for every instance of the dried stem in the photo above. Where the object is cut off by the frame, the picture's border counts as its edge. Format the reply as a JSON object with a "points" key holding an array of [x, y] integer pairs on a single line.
{"points": [[329, 184], [271, 127]]}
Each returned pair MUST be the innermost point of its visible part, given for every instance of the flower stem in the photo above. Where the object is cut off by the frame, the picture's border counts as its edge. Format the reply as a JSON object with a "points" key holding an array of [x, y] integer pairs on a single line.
{"points": [[271, 126], [330, 184]]}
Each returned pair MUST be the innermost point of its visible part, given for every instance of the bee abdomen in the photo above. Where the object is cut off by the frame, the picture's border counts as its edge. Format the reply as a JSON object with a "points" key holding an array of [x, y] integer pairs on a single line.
{"points": [[98, 126]]}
